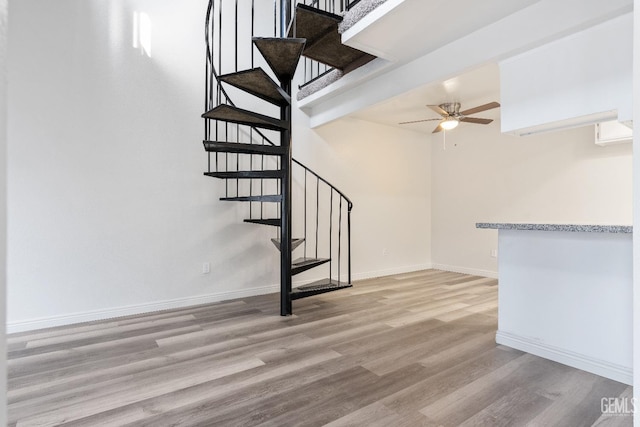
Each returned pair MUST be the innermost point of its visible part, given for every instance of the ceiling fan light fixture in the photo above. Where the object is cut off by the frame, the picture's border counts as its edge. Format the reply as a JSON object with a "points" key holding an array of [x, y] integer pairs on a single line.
{"points": [[449, 123]]}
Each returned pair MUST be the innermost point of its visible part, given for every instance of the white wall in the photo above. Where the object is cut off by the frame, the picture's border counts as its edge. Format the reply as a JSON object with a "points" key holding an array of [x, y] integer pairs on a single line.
{"points": [[108, 205], [558, 177], [109, 212], [386, 172], [4, 14], [580, 75]]}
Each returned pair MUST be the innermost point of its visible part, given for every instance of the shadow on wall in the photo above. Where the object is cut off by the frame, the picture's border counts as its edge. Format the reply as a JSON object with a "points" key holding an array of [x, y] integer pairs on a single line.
{"points": [[385, 171]]}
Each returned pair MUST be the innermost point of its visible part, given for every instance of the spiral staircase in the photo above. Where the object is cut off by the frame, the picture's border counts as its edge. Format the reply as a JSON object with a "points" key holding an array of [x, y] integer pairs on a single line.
{"points": [[252, 152]]}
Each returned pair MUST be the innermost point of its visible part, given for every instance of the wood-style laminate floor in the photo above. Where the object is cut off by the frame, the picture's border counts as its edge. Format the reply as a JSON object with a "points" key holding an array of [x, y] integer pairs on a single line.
{"points": [[415, 349]]}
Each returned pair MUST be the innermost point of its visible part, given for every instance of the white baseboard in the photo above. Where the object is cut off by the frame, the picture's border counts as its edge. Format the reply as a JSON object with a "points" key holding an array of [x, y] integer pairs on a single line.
{"points": [[605, 369], [89, 316], [110, 313], [465, 270], [391, 271]]}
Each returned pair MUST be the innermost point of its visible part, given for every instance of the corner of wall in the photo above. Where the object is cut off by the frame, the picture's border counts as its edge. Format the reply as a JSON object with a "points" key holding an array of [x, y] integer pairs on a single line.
{"points": [[4, 20], [636, 200]]}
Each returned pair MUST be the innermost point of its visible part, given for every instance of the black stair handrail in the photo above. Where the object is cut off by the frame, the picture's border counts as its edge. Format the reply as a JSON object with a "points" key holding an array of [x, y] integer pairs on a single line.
{"points": [[349, 207], [326, 182], [214, 72]]}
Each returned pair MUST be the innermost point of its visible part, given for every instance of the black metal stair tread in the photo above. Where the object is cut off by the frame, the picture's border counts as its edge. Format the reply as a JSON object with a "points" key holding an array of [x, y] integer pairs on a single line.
{"points": [[276, 174], [312, 23], [303, 264], [324, 43], [256, 82], [274, 222], [319, 287], [282, 54], [231, 114], [256, 198], [236, 147], [294, 243]]}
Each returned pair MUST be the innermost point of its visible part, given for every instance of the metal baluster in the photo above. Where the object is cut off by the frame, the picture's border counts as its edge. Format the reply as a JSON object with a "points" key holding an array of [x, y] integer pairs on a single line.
{"points": [[253, 28], [251, 169], [305, 213], [226, 127], [340, 239], [226, 160], [237, 169], [218, 92], [211, 78], [236, 35], [331, 235], [262, 185], [206, 102], [237, 125], [317, 210], [206, 81], [349, 242], [219, 44], [217, 157]]}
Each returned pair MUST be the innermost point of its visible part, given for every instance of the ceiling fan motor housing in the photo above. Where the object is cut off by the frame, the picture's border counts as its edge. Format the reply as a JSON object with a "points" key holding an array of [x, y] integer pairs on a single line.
{"points": [[452, 108]]}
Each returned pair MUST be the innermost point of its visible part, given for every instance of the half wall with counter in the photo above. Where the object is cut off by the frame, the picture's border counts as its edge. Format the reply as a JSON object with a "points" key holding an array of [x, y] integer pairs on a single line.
{"points": [[565, 293]]}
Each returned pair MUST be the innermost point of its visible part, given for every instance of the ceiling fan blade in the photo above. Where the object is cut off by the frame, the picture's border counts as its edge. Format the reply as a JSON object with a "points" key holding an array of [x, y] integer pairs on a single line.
{"points": [[437, 129], [480, 108], [438, 110], [418, 121], [476, 120]]}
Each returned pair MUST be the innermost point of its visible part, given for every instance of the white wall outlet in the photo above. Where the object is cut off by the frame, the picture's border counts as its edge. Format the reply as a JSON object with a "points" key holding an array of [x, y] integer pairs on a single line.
{"points": [[494, 253], [206, 268], [384, 252]]}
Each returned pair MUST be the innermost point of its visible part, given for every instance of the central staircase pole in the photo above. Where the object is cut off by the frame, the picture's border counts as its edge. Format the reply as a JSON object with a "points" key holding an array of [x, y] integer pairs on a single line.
{"points": [[286, 165], [285, 17], [285, 208]]}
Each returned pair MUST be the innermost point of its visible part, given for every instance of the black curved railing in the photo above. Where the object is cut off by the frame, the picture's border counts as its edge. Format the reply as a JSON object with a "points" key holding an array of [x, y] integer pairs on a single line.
{"points": [[323, 215], [343, 203]]}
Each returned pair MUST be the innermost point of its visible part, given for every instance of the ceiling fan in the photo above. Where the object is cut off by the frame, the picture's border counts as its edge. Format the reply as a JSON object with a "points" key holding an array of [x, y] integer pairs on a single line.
{"points": [[452, 116]]}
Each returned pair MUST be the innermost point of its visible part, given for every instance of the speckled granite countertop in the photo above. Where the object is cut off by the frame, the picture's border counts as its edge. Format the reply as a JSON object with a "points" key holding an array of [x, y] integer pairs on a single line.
{"points": [[558, 227]]}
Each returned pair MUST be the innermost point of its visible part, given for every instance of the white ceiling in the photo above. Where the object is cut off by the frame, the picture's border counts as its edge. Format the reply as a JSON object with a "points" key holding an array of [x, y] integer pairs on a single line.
{"points": [[405, 29], [427, 25], [471, 89]]}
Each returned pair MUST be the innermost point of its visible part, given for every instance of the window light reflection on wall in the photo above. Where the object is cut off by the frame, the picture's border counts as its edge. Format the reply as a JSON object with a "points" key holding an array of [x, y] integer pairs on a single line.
{"points": [[142, 33]]}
